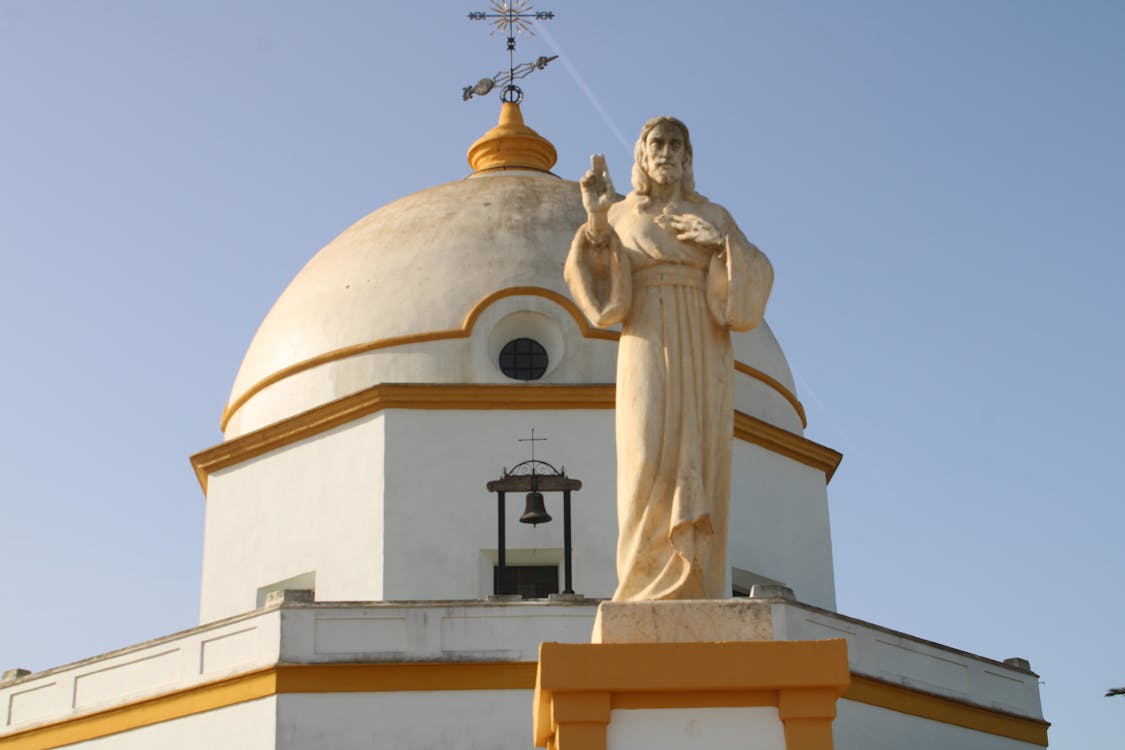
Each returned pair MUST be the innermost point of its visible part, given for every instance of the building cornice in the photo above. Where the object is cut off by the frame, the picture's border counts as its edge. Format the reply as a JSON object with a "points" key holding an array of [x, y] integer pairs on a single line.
{"points": [[386, 677], [472, 397]]}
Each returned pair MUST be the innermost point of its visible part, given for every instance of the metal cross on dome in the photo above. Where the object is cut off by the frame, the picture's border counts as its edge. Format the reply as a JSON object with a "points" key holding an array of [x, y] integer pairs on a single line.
{"points": [[514, 17]]}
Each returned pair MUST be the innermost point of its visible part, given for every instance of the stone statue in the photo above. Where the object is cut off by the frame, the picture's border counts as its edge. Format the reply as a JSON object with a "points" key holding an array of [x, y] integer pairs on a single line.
{"points": [[675, 270]]}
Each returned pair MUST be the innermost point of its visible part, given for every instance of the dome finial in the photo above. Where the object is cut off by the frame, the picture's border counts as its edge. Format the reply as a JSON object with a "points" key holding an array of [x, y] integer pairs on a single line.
{"points": [[515, 17], [511, 145]]}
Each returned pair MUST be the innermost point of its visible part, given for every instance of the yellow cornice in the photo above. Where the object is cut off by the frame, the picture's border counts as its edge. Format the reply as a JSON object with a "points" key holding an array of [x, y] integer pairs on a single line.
{"points": [[469, 396], [946, 710], [464, 331], [800, 449], [326, 678]]}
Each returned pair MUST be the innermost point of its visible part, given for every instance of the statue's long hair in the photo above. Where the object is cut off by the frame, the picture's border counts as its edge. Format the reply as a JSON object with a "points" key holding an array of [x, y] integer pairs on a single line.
{"points": [[642, 183]]}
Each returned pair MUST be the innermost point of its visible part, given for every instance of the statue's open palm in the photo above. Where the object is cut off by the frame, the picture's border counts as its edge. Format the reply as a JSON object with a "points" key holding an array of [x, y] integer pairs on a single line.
{"points": [[597, 195]]}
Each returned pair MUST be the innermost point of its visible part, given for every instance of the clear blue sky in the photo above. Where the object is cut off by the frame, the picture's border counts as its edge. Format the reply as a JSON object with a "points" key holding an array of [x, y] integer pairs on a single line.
{"points": [[940, 186]]}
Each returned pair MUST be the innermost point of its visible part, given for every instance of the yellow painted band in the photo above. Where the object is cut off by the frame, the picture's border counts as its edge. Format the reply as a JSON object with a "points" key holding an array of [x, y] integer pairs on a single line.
{"points": [[324, 678], [465, 331], [166, 707], [945, 710], [289, 678], [800, 449], [467, 396], [757, 374]]}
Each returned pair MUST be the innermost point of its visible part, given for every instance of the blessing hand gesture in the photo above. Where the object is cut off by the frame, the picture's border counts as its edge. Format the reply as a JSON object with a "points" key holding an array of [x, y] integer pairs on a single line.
{"points": [[597, 197]]}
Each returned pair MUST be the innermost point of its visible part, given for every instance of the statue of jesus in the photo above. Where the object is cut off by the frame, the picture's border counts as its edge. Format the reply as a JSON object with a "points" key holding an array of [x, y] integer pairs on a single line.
{"points": [[675, 270]]}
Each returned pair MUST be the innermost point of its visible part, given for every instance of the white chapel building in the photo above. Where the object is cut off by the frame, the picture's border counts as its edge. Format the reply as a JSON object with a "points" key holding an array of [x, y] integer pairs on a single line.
{"points": [[351, 587]]}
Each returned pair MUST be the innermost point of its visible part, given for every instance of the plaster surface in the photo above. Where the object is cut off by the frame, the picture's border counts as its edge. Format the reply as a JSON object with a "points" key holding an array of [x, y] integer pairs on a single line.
{"points": [[859, 726], [245, 726], [695, 729], [390, 275], [312, 509], [446, 719], [322, 633], [683, 621]]}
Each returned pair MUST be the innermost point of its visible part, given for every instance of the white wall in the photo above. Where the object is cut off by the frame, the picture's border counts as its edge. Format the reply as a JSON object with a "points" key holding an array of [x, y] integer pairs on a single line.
{"points": [[473, 631], [756, 728], [902, 659], [440, 516], [175, 662], [450, 720], [244, 726], [859, 726], [779, 523], [395, 507], [313, 506], [465, 632]]}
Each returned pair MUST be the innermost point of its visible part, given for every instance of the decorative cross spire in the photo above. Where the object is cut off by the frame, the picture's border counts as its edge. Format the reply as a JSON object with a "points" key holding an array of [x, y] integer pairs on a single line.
{"points": [[513, 17]]}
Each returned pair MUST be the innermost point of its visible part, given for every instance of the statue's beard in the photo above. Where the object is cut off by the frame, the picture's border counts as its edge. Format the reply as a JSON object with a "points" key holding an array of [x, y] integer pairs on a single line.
{"points": [[665, 174]]}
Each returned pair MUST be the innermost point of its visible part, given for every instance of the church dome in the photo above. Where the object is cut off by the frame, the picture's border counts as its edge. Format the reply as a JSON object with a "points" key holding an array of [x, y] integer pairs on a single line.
{"points": [[432, 287]]}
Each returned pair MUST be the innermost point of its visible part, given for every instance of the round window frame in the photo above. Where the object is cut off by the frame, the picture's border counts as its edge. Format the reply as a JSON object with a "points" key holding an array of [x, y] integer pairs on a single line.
{"points": [[516, 370]]}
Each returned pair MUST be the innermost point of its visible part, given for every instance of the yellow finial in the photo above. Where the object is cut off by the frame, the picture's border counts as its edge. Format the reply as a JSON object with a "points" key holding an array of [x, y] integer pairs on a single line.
{"points": [[511, 145]]}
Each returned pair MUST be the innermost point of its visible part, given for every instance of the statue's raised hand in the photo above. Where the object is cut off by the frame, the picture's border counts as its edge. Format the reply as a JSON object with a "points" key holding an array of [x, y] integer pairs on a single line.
{"points": [[597, 197]]}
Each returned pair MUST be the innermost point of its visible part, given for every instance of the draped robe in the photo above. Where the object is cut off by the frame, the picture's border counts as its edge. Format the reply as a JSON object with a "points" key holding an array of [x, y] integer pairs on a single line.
{"points": [[677, 302]]}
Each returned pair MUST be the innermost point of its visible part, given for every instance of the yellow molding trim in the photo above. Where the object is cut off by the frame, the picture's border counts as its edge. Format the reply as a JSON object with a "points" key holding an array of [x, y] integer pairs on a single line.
{"points": [[945, 710], [327, 678], [143, 713], [787, 394], [467, 396], [465, 331], [800, 449], [395, 396], [278, 680]]}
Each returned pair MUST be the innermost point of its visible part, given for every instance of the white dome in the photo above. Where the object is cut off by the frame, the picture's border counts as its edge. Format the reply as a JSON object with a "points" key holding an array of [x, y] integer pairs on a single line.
{"points": [[426, 290]]}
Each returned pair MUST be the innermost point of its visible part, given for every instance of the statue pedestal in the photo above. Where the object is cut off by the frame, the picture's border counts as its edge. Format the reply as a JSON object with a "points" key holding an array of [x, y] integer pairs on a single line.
{"points": [[683, 621], [659, 678]]}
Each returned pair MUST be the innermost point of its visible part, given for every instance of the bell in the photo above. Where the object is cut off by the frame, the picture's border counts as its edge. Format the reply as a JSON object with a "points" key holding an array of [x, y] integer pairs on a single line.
{"points": [[534, 511]]}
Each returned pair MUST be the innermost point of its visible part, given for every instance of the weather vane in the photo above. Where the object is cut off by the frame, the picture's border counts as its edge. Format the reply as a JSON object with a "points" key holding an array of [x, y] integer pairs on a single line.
{"points": [[513, 17]]}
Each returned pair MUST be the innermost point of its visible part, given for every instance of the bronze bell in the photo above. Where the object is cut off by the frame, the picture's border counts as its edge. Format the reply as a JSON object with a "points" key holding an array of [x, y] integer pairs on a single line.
{"points": [[534, 511]]}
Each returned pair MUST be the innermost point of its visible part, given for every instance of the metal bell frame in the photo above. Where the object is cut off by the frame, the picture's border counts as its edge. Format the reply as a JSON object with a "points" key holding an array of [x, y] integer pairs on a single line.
{"points": [[534, 477]]}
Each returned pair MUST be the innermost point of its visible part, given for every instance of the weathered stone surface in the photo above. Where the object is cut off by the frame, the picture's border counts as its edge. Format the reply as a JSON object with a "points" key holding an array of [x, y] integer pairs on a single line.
{"points": [[677, 273], [11, 675], [683, 621]]}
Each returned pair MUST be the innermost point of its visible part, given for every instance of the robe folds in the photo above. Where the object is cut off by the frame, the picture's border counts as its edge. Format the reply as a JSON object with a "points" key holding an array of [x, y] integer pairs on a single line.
{"points": [[677, 302]]}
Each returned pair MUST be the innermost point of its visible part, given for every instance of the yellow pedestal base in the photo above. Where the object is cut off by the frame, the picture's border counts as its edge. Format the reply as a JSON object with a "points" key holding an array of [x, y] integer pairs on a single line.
{"points": [[579, 685]]}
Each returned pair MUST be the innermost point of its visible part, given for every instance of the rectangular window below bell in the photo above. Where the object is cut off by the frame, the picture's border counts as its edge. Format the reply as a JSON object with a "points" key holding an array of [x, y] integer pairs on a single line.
{"points": [[529, 581]]}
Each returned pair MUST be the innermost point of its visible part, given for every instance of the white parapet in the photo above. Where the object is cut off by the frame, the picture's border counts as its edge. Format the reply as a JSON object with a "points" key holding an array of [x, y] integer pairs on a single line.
{"points": [[403, 669]]}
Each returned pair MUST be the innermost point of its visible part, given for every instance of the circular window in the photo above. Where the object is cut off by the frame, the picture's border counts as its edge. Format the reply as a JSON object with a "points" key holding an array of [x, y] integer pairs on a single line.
{"points": [[523, 359]]}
